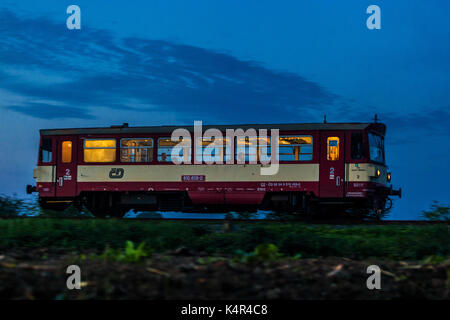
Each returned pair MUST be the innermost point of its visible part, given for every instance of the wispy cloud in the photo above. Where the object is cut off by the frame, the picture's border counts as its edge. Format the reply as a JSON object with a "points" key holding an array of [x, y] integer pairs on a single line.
{"points": [[80, 70], [55, 73], [418, 125]]}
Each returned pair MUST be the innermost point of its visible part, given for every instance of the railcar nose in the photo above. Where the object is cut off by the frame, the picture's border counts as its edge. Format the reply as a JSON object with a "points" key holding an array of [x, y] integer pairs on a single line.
{"points": [[396, 192], [30, 189]]}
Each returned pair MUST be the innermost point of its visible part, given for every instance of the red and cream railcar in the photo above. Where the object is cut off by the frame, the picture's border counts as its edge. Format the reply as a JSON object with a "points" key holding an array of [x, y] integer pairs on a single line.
{"points": [[114, 169]]}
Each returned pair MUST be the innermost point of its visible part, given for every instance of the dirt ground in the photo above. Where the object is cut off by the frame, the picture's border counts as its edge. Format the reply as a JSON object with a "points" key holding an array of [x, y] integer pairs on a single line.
{"points": [[41, 274]]}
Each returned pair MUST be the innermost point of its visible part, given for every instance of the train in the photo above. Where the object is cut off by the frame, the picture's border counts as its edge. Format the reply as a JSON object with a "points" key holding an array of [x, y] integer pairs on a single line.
{"points": [[322, 167]]}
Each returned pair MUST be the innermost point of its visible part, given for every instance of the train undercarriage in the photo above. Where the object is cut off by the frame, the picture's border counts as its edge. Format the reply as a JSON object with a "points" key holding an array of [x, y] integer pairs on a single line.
{"points": [[117, 204]]}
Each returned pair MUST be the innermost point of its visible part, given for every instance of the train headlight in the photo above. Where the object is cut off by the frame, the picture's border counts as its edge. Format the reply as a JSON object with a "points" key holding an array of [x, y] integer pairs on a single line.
{"points": [[377, 173], [389, 177]]}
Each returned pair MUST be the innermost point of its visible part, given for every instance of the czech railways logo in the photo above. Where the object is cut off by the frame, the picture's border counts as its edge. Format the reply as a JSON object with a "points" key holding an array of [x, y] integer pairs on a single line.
{"points": [[116, 173]]}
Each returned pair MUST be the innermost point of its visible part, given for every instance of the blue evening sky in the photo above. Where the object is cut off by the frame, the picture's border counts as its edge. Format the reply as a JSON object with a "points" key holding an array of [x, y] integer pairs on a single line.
{"points": [[173, 62]]}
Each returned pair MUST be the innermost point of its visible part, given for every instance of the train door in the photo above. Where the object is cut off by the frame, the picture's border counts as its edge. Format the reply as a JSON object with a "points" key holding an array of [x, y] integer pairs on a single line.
{"points": [[332, 164], [66, 166]]}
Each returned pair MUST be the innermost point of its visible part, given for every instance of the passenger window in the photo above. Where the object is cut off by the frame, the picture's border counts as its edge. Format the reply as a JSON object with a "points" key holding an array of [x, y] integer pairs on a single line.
{"points": [[99, 150], [165, 147], [211, 150], [296, 148], [66, 151], [357, 146], [333, 148], [250, 149], [136, 150], [46, 150]]}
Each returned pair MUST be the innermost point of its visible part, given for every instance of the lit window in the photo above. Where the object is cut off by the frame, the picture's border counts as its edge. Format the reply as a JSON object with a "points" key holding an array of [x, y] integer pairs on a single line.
{"points": [[211, 150], [46, 150], [136, 150], [295, 148], [66, 151], [252, 149], [333, 148], [165, 147], [96, 150]]}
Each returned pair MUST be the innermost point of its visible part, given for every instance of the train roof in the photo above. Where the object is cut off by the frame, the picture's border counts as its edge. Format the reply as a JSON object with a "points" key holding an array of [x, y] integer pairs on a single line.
{"points": [[124, 129]]}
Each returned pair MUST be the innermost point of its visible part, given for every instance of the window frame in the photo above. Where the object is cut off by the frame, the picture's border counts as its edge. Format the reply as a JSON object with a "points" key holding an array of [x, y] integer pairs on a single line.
{"points": [[170, 161], [153, 148], [333, 138], [223, 147], [70, 154], [362, 151], [257, 148], [383, 149], [297, 135], [91, 148], [314, 153], [52, 150]]}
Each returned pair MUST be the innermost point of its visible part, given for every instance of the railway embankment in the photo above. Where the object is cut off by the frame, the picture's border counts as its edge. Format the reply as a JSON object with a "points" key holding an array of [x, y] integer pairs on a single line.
{"points": [[158, 259]]}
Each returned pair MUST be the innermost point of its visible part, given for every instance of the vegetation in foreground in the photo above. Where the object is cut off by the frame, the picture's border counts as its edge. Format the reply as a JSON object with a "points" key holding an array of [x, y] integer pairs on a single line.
{"points": [[289, 239], [154, 259], [359, 242]]}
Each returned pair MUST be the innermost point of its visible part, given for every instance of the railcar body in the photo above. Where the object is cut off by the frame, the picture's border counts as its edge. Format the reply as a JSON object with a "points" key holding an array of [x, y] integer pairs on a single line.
{"points": [[322, 166]]}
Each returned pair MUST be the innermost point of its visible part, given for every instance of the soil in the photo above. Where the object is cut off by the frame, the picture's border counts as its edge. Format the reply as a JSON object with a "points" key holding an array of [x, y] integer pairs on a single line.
{"points": [[41, 274]]}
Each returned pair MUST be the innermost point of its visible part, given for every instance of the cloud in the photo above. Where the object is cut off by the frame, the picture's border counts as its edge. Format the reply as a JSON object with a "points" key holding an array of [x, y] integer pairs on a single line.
{"points": [[84, 69], [51, 111], [65, 74], [418, 126]]}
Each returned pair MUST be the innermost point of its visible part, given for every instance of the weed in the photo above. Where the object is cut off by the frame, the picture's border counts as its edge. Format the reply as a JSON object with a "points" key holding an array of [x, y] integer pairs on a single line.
{"points": [[128, 254], [434, 259], [265, 252]]}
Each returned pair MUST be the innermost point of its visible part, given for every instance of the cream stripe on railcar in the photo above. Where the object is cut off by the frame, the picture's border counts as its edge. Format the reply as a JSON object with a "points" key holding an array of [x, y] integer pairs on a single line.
{"points": [[45, 174], [213, 173], [364, 172]]}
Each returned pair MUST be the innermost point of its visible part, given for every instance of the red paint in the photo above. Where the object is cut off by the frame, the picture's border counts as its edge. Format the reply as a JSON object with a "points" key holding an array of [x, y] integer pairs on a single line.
{"points": [[220, 186], [249, 198], [207, 192], [202, 197], [332, 172], [66, 173], [46, 189]]}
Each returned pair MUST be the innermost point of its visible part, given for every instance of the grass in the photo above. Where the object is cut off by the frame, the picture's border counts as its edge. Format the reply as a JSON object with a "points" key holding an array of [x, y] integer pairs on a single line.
{"points": [[291, 239]]}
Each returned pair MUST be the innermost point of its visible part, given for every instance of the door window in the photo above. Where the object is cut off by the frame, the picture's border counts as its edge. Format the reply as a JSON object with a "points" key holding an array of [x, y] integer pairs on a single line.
{"points": [[66, 152], [333, 148]]}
